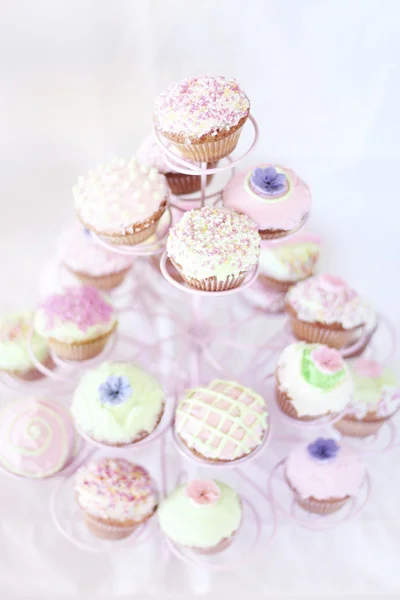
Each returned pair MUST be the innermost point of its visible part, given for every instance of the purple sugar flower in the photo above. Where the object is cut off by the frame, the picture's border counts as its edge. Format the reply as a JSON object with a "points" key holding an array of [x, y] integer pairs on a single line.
{"points": [[115, 390], [323, 449], [268, 180]]}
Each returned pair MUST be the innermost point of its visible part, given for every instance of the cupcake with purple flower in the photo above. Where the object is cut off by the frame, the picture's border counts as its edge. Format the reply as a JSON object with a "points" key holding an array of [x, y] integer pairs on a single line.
{"points": [[272, 196], [324, 475], [117, 404], [376, 399]]}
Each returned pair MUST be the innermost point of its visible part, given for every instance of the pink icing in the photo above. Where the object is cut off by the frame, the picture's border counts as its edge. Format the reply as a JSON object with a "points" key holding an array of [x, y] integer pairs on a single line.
{"points": [[285, 212], [327, 359], [232, 428], [338, 477], [37, 437], [82, 305], [368, 368], [81, 253], [203, 492]]}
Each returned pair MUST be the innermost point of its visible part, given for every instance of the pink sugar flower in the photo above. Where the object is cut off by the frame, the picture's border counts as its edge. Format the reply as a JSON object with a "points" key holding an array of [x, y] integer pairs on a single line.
{"points": [[327, 359], [204, 492], [368, 368], [333, 280]]}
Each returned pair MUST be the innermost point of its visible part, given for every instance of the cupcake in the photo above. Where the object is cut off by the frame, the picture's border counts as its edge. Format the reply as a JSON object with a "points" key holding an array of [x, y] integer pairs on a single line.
{"points": [[14, 355], [115, 496], [203, 516], [326, 310], [37, 438], [312, 381], [151, 155], [117, 404], [202, 116], [91, 263], [324, 475], [288, 261], [273, 196], [221, 422], [214, 248], [376, 399], [77, 323], [122, 201]]}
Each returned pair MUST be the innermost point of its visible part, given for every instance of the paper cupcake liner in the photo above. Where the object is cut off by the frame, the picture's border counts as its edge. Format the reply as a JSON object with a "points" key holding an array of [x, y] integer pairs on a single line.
{"points": [[32, 374], [317, 334], [211, 284], [101, 282], [285, 403], [220, 461], [359, 428], [80, 351], [220, 547], [276, 284], [106, 530], [210, 151], [321, 507], [180, 183]]}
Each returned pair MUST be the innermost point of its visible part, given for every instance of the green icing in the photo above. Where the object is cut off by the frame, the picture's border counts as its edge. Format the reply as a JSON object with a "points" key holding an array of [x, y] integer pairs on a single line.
{"points": [[317, 378]]}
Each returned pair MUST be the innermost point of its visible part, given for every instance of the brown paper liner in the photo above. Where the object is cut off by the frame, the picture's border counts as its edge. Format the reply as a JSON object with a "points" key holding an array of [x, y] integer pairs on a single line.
{"points": [[359, 427], [142, 230], [287, 407], [111, 530], [101, 282], [221, 461], [140, 436], [32, 374], [212, 150], [211, 284], [180, 184], [220, 547], [314, 333], [80, 350], [276, 284], [322, 507], [274, 234]]}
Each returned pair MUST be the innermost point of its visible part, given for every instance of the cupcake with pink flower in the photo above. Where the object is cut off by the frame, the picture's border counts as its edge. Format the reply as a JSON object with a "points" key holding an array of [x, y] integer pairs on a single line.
{"points": [[91, 263], [326, 310], [77, 322], [376, 399], [203, 515], [324, 475], [312, 381], [151, 155]]}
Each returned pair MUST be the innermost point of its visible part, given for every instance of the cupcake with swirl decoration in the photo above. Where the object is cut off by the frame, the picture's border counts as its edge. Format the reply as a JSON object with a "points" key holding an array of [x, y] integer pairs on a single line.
{"points": [[312, 381], [117, 404], [203, 116], [274, 197], [203, 515], [326, 310], [221, 422], [123, 201], [151, 155], [14, 355], [115, 497], [89, 262], [214, 249], [324, 475], [77, 322], [376, 399], [37, 438]]}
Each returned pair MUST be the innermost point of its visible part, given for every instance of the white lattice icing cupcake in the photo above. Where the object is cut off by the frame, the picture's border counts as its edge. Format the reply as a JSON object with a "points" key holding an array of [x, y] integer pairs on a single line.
{"points": [[203, 515], [214, 248], [202, 116], [222, 422], [122, 201], [312, 381], [326, 310], [376, 399]]}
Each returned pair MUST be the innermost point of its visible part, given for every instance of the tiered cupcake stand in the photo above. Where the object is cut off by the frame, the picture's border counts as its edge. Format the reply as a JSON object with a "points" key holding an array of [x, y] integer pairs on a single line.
{"points": [[171, 329]]}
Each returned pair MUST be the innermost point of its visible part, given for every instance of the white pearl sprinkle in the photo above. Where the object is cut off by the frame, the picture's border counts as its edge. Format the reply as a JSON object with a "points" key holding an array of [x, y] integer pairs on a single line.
{"points": [[146, 185], [133, 175], [144, 169], [136, 194], [141, 207], [156, 195], [153, 174]]}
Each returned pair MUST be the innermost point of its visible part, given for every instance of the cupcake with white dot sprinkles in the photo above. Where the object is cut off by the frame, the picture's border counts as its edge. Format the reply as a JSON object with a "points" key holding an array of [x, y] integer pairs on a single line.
{"points": [[123, 201], [202, 116], [115, 496], [214, 248]]}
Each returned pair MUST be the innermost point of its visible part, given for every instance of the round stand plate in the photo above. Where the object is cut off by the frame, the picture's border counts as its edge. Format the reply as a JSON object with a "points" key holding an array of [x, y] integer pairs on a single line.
{"points": [[384, 440], [283, 498]]}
